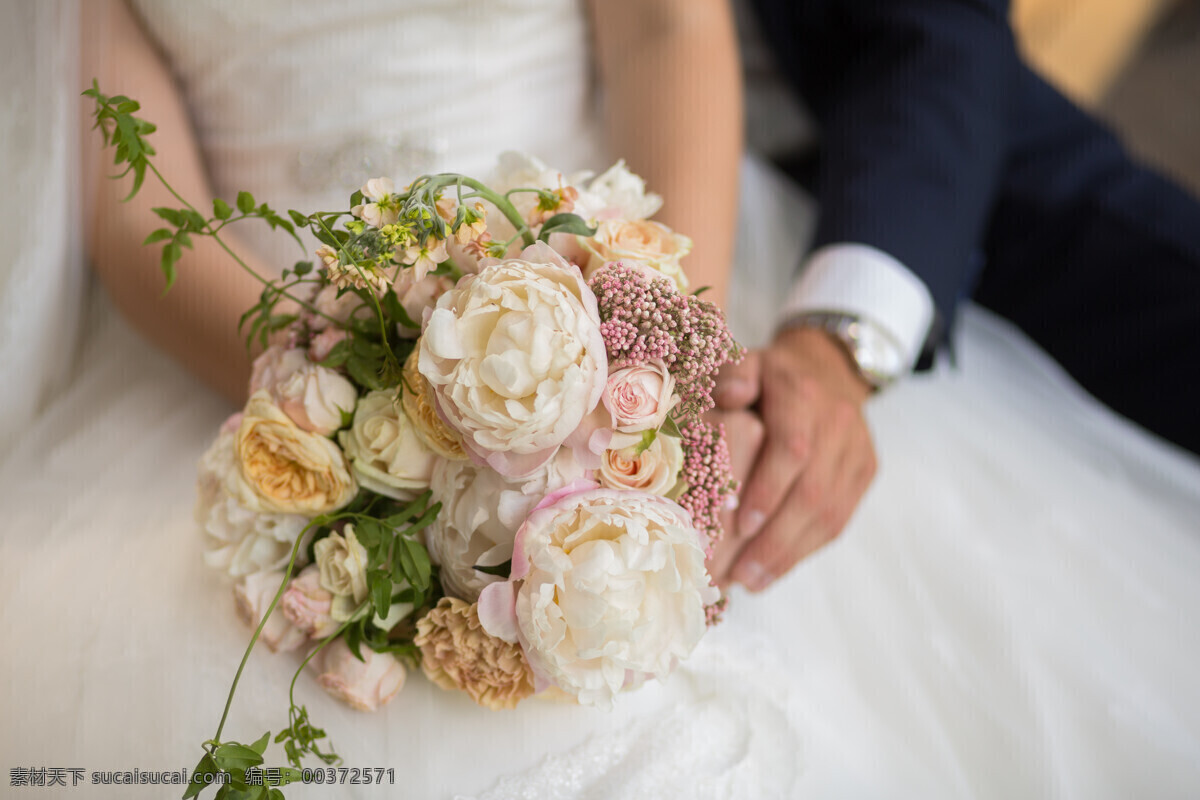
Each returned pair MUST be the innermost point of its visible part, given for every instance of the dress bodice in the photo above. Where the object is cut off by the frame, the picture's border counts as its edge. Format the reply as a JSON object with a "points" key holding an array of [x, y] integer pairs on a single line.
{"points": [[300, 101]]}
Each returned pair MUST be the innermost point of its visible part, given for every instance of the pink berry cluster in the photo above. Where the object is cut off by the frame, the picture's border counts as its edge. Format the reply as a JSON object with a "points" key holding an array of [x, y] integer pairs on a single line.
{"points": [[708, 473], [643, 318], [715, 612]]}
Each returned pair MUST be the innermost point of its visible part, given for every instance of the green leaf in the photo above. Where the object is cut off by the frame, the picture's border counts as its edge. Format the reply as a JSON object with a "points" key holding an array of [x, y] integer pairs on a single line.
{"points": [[500, 570], [171, 215], [260, 746], [300, 219], [392, 307], [302, 268], [380, 586], [245, 202], [158, 236], [353, 637], [206, 767], [221, 209], [648, 438], [171, 254], [670, 427], [565, 223], [193, 220], [338, 355], [231, 756]]}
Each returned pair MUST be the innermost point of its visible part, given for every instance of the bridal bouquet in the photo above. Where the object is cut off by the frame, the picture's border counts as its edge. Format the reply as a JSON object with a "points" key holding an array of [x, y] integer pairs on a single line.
{"points": [[473, 443]]}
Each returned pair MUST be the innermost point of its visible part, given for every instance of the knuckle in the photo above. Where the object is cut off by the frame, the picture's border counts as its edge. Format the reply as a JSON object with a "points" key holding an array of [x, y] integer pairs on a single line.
{"points": [[797, 444], [811, 494]]}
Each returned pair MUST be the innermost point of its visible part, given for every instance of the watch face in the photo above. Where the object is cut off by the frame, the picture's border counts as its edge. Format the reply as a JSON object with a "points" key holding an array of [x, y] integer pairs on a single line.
{"points": [[877, 355]]}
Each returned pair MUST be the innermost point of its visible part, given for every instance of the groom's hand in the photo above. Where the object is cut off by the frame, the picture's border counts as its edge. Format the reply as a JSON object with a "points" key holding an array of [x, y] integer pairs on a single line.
{"points": [[816, 458]]}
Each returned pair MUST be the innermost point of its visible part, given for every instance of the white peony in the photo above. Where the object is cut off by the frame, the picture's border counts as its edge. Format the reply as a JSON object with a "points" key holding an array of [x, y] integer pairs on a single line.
{"points": [[385, 452], [481, 512], [517, 361], [610, 589], [239, 541], [617, 192]]}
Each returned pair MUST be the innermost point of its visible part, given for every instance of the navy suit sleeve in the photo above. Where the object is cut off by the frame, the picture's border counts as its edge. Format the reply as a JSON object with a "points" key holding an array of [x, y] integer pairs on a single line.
{"points": [[914, 99]]}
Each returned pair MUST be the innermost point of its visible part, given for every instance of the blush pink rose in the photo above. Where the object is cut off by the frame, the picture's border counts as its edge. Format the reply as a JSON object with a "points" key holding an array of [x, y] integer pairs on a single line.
{"points": [[639, 397], [364, 685], [307, 605], [323, 343], [252, 595]]}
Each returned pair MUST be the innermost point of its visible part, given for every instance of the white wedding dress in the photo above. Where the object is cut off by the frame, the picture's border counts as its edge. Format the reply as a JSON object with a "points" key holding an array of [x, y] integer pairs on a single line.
{"points": [[1011, 613]]}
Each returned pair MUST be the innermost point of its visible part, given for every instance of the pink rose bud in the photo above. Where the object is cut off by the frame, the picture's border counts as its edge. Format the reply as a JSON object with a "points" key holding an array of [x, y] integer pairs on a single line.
{"points": [[363, 685], [306, 605], [252, 595], [323, 343], [639, 397]]}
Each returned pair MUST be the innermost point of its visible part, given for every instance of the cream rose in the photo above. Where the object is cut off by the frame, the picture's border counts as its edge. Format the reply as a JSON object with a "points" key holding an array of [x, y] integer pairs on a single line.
{"points": [[364, 685], [284, 469], [316, 397], [385, 452], [639, 397], [650, 243], [608, 588], [516, 360], [654, 470], [252, 596], [342, 566], [481, 512]]}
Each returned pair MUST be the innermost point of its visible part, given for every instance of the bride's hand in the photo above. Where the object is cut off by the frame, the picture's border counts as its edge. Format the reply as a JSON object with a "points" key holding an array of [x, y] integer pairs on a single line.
{"points": [[816, 459]]}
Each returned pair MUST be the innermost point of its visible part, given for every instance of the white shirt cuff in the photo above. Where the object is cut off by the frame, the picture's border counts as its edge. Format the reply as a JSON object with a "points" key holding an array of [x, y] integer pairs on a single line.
{"points": [[864, 281]]}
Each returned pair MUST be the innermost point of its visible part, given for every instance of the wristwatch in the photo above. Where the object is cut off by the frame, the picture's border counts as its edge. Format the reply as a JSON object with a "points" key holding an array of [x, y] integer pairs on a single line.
{"points": [[877, 355]]}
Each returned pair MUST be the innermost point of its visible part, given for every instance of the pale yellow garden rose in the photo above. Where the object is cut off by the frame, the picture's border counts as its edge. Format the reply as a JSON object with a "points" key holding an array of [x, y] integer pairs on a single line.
{"points": [[284, 469], [416, 395], [650, 243]]}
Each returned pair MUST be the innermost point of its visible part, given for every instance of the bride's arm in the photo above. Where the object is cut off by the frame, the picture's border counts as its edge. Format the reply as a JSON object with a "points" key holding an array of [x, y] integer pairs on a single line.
{"points": [[196, 321], [672, 86]]}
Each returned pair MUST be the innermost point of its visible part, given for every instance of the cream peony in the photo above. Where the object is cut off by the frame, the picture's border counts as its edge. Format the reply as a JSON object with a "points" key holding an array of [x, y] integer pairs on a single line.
{"points": [[640, 396], [238, 541], [654, 470], [284, 469], [481, 512], [385, 452], [650, 243], [456, 653], [608, 588], [307, 604], [252, 596], [342, 566], [517, 361], [364, 685]]}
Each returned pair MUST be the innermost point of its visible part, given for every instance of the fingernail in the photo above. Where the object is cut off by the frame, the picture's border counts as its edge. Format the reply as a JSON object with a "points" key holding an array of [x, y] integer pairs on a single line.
{"points": [[735, 387], [752, 575], [749, 523], [731, 501]]}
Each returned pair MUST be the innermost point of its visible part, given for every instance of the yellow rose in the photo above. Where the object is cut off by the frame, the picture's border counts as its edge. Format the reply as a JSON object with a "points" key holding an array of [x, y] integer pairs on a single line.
{"points": [[284, 469], [651, 243], [416, 395]]}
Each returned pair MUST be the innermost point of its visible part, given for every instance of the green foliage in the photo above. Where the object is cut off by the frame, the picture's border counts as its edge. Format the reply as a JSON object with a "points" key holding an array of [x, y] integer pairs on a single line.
{"points": [[565, 223]]}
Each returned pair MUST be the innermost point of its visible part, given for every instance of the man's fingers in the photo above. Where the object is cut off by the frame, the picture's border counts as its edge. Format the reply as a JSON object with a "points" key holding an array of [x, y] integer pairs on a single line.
{"points": [[815, 509], [785, 452], [744, 433], [738, 384]]}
